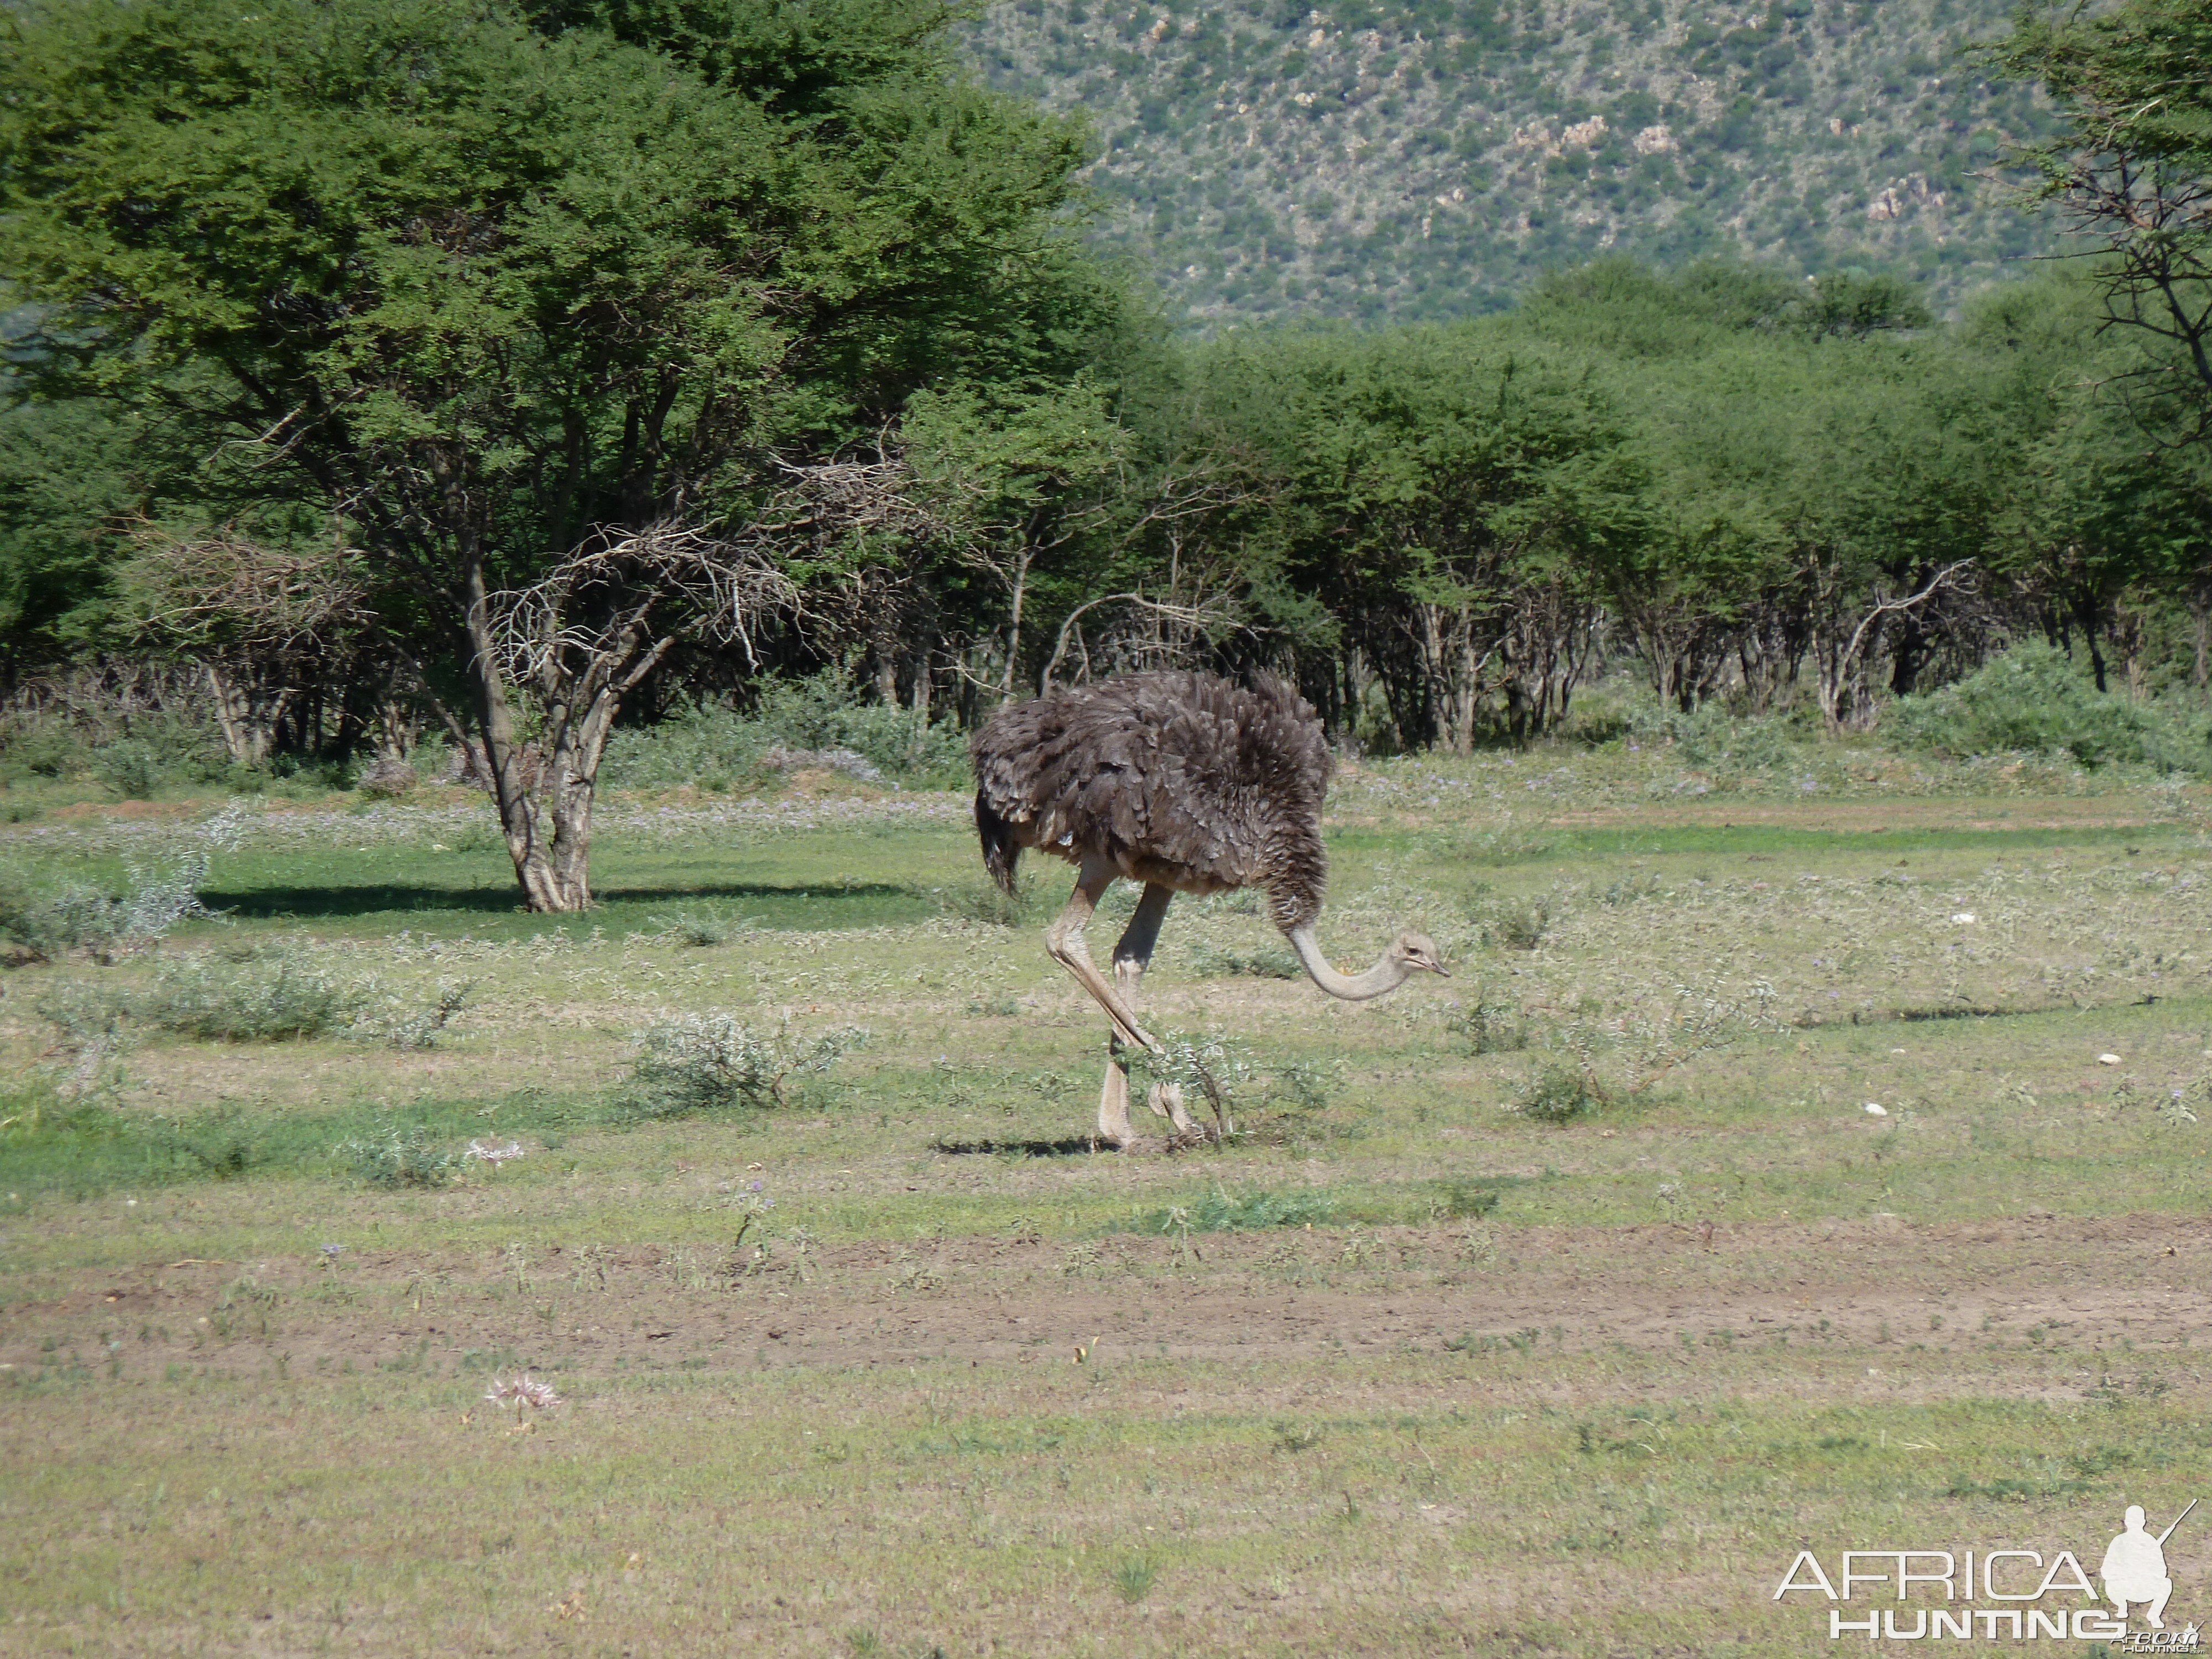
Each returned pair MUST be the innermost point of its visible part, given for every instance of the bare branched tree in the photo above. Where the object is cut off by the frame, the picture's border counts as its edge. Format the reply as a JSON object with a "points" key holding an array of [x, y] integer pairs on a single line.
{"points": [[584, 637], [1839, 656], [253, 614]]}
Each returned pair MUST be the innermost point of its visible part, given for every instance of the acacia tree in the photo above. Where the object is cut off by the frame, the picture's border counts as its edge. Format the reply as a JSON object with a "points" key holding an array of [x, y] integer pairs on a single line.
{"points": [[2132, 166], [501, 291]]}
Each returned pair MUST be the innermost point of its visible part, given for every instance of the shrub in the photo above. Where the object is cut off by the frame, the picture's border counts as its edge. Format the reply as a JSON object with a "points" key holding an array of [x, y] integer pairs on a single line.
{"points": [[265, 1000], [714, 1062], [129, 767], [822, 712], [1489, 1026], [44, 928], [222, 1144], [2035, 699], [1518, 926], [1212, 1069], [1461, 1201], [691, 745], [701, 929], [403, 1024], [1556, 1093], [412, 1159], [164, 890], [46, 748], [1133, 1579], [1715, 740], [1219, 1213], [821, 716]]}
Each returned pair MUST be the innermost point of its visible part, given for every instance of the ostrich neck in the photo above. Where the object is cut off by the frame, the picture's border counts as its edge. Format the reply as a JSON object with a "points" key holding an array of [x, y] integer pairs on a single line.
{"points": [[1386, 974]]}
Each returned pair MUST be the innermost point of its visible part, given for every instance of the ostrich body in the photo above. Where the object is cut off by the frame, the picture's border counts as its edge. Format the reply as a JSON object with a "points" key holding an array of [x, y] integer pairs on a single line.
{"points": [[1187, 784]]}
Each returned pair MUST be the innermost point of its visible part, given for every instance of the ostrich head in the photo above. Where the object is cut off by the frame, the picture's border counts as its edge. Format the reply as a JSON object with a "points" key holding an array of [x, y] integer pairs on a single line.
{"points": [[1409, 954], [1418, 954]]}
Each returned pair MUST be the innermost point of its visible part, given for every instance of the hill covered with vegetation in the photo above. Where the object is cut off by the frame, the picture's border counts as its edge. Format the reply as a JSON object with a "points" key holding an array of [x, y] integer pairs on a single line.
{"points": [[1427, 158]]}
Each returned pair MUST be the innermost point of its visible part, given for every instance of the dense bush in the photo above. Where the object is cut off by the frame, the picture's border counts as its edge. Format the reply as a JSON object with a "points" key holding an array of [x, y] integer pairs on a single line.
{"points": [[2035, 699], [822, 712], [258, 1000], [709, 746], [717, 748]]}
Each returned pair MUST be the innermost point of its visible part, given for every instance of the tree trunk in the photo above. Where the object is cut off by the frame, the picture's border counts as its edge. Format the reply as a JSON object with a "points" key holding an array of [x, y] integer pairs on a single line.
{"points": [[2200, 613], [248, 709], [1014, 624], [549, 885]]}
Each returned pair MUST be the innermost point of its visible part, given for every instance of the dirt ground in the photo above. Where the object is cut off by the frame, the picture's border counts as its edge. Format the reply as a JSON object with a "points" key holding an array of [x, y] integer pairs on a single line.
{"points": [[2141, 1280]]}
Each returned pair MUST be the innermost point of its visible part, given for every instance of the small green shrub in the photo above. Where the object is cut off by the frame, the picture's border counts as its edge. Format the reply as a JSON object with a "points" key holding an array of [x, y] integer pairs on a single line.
{"points": [[1462, 1200], [1307, 1085], [1219, 1212], [164, 890], [691, 744], [1133, 1579], [701, 929], [1715, 740], [413, 1158], [717, 748], [1490, 1025], [282, 996], [222, 1144], [129, 768], [2035, 699], [1519, 926], [406, 1024], [1558, 1092], [1212, 1069], [714, 1062]]}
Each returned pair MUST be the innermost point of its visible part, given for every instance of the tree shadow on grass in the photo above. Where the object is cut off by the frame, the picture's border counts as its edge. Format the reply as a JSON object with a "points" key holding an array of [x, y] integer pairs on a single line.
{"points": [[1076, 1147], [881, 901]]}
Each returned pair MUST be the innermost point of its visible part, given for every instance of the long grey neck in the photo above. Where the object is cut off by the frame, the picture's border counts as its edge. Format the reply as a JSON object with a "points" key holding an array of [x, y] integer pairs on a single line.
{"points": [[1386, 974]]}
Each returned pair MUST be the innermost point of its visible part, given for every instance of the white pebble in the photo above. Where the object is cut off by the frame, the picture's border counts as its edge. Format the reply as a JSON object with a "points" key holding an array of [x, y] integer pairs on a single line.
{"points": [[1963, 918], [2108, 1059], [1873, 1110]]}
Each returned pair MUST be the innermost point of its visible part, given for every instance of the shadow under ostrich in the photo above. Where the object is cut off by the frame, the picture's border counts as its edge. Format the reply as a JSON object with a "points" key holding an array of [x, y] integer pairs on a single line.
{"points": [[1188, 784]]}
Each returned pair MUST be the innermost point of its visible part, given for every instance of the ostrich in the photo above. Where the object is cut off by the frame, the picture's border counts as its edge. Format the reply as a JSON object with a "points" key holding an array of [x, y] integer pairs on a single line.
{"points": [[1190, 785]]}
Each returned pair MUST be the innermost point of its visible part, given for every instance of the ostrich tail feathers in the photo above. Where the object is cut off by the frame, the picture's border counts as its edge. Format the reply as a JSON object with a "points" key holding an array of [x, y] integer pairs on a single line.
{"points": [[1001, 851]]}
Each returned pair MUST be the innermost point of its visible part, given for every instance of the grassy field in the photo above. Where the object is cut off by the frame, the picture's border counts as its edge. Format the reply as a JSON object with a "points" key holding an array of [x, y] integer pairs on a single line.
{"points": [[1549, 1309]]}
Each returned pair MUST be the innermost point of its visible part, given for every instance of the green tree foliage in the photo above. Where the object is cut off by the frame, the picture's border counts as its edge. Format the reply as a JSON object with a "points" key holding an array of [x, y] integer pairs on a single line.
{"points": [[2132, 166], [492, 290]]}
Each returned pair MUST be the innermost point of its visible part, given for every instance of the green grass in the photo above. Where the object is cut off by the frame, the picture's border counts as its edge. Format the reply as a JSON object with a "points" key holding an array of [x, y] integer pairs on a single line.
{"points": [[1378, 1375]]}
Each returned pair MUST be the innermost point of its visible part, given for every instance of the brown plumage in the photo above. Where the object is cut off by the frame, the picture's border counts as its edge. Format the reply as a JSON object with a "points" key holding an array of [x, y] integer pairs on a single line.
{"points": [[1188, 784], [1175, 778]]}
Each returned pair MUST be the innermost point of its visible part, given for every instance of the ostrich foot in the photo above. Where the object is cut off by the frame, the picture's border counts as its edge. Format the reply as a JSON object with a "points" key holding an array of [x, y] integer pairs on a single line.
{"points": [[1165, 1100]]}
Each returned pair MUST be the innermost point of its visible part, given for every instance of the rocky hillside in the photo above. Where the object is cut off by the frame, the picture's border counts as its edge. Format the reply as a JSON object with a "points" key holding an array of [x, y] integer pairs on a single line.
{"points": [[1426, 158]]}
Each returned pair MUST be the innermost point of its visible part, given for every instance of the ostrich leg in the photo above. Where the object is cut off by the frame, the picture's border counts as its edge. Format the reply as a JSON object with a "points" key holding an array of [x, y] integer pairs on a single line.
{"points": [[1063, 941], [1131, 958]]}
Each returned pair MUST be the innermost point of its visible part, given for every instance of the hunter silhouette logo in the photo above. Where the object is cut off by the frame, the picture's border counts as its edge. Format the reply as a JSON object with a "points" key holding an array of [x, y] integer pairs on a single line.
{"points": [[2137, 1581]]}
